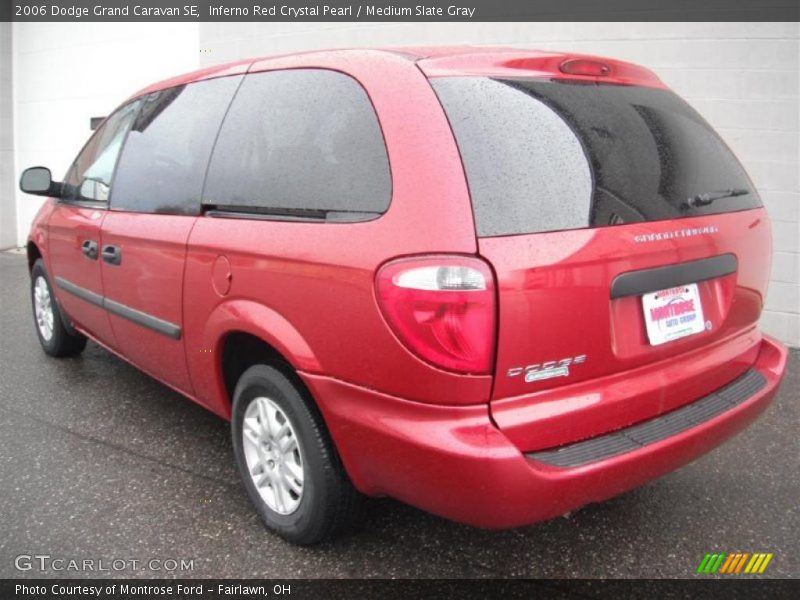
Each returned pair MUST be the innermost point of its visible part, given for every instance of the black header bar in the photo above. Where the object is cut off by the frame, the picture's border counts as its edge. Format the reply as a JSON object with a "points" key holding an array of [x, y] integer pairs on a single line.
{"points": [[399, 10], [383, 589]]}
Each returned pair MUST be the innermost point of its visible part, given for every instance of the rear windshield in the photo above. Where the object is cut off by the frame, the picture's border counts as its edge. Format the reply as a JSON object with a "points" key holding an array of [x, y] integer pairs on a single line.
{"points": [[552, 155]]}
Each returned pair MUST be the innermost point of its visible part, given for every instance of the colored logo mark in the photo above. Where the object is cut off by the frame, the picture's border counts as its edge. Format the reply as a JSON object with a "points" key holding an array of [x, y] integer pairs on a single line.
{"points": [[733, 564]]}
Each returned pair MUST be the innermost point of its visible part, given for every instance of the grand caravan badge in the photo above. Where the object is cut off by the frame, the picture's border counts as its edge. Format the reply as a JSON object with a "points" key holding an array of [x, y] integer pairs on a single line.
{"points": [[547, 370]]}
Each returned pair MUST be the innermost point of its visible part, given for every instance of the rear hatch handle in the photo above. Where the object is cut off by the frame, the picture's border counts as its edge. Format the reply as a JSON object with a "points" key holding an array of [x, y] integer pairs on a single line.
{"points": [[635, 283]]}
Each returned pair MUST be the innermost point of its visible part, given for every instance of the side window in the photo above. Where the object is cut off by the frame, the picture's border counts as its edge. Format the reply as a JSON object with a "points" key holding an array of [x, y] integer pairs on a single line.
{"points": [[162, 167], [89, 177], [302, 143]]}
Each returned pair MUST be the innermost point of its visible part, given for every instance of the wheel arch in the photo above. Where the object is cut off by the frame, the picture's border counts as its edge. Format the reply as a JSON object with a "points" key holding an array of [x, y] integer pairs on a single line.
{"points": [[34, 253], [240, 350], [238, 334]]}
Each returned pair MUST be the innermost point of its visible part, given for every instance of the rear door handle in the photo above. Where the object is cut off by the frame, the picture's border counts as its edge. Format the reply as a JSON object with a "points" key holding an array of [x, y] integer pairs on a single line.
{"points": [[112, 255], [89, 249]]}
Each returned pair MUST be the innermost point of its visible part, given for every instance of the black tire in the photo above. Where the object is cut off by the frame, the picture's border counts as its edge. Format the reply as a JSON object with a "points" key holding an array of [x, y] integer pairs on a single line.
{"points": [[329, 502], [63, 341]]}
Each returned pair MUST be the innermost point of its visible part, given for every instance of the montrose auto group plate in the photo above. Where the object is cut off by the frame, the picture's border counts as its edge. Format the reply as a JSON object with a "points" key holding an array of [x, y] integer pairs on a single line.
{"points": [[673, 313]]}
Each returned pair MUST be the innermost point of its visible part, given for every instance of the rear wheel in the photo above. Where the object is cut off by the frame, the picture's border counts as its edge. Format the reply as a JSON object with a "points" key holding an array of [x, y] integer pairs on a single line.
{"points": [[287, 461], [53, 335]]}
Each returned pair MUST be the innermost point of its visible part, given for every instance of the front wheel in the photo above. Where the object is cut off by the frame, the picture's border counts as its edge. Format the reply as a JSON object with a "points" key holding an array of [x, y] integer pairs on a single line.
{"points": [[54, 337], [287, 461]]}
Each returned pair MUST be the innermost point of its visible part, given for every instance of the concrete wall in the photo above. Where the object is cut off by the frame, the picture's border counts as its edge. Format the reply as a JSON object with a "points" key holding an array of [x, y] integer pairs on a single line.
{"points": [[743, 77], [8, 220], [65, 73]]}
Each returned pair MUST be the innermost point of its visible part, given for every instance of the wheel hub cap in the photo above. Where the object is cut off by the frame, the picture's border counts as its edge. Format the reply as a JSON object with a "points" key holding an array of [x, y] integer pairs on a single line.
{"points": [[273, 455], [43, 308]]}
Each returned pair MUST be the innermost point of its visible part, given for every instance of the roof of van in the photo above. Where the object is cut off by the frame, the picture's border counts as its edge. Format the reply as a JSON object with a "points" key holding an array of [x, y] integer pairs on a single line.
{"points": [[442, 61]]}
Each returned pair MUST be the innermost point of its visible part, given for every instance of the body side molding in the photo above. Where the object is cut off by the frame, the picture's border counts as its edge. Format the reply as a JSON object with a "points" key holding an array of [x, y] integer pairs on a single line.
{"points": [[126, 312]]}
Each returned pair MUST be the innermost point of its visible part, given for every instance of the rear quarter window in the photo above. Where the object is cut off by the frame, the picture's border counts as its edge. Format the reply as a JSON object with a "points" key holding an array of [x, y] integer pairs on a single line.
{"points": [[302, 143], [550, 155]]}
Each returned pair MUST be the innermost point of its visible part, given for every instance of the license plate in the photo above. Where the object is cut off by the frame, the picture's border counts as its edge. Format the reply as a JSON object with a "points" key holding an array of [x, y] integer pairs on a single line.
{"points": [[673, 313]]}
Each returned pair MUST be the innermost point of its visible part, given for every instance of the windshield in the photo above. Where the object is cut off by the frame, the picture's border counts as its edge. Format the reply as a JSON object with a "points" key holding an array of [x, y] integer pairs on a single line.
{"points": [[551, 155]]}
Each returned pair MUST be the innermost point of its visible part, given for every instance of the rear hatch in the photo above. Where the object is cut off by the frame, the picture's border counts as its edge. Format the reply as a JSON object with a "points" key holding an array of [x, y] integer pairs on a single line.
{"points": [[628, 244]]}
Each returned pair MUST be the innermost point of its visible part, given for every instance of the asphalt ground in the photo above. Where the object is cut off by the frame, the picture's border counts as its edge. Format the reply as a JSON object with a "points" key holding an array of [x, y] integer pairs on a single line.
{"points": [[98, 461]]}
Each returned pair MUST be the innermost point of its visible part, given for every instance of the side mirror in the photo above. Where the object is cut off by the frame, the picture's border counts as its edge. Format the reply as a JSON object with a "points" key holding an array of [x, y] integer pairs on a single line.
{"points": [[38, 181]]}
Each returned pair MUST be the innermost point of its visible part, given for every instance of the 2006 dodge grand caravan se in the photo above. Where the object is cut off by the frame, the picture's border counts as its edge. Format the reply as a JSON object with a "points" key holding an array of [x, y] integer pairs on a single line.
{"points": [[495, 284]]}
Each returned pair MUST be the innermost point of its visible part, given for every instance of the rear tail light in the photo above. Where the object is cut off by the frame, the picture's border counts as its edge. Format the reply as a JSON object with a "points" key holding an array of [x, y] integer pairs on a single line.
{"points": [[442, 308]]}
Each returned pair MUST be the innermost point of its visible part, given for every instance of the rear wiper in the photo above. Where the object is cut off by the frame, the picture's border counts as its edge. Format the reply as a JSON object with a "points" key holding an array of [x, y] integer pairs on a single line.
{"points": [[709, 197]]}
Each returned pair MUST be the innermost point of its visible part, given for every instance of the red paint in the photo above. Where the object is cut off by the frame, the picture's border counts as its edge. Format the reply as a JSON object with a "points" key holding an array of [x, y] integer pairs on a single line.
{"points": [[558, 284], [67, 228], [507, 62], [149, 279], [444, 436], [454, 462]]}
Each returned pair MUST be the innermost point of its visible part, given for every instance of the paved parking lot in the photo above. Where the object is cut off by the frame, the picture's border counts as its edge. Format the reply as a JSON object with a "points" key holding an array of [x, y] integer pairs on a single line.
{"points": [[99, 461]]}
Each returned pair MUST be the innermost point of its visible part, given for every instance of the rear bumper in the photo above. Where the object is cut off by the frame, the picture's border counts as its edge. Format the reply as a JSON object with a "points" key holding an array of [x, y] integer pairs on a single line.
{"points": [[454, 462]]}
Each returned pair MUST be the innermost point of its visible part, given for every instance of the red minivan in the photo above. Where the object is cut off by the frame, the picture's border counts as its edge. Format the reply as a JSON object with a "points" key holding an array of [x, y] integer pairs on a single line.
{"points": [[496, 284]]}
